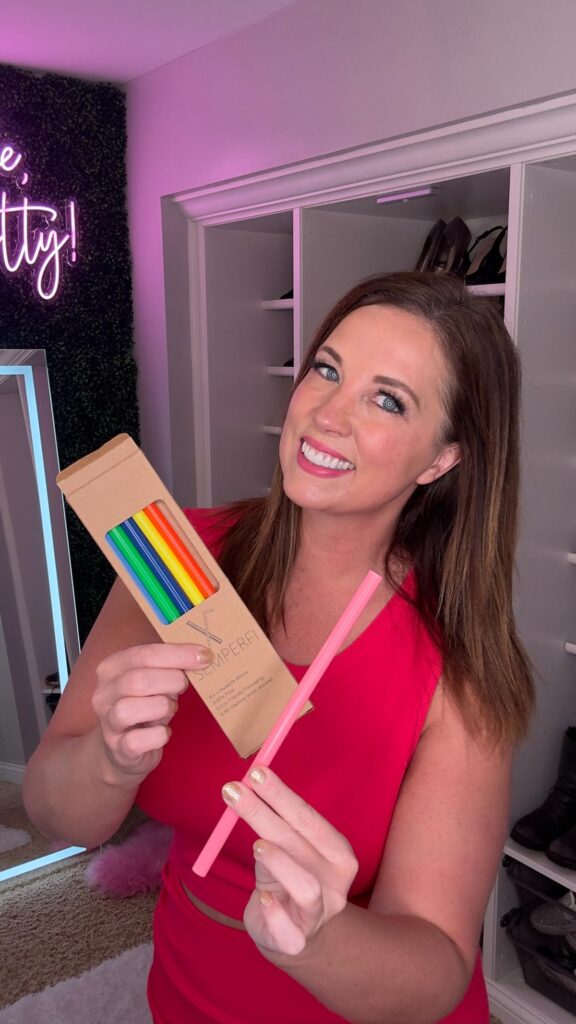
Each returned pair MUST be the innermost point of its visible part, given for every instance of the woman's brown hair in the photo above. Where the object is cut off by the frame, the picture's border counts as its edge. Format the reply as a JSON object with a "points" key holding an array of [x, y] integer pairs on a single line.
{"points": [[458, 532]]}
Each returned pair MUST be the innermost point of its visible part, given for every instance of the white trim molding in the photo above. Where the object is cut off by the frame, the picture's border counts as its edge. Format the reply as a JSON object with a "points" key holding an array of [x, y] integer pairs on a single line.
{"points": [[537, 131]]}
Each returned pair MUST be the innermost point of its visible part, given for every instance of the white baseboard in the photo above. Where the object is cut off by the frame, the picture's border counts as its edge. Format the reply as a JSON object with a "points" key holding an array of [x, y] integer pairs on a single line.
{"points": [[11, 772]]}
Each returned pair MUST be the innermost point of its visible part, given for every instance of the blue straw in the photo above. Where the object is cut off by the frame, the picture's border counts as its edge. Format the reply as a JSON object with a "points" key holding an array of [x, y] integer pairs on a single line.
{"points": [[137, 581], [157, 566]]}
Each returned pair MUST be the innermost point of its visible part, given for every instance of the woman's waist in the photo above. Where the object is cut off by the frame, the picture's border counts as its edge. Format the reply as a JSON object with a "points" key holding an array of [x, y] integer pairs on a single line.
{"points": [[225, 891], [226, 888]]}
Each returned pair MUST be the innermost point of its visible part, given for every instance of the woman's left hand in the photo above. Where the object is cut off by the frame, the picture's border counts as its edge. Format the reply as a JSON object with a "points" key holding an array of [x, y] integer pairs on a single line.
{"points": [[304, 867]]}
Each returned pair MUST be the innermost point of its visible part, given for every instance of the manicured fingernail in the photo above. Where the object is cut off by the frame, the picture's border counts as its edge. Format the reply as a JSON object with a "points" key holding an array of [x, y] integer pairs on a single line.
{"points": [[266, 898], [259, 848], [204, 656], [258, 775], [231, 793]]}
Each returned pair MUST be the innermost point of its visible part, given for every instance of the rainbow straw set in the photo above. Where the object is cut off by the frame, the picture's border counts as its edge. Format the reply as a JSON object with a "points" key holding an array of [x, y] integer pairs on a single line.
{"points": [[164, 570], [180, 588]]}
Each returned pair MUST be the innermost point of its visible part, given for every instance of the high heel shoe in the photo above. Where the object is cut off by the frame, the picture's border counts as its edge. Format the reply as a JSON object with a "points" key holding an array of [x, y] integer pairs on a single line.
{"points": [[486, 263], [430, 247], [452, 249]]}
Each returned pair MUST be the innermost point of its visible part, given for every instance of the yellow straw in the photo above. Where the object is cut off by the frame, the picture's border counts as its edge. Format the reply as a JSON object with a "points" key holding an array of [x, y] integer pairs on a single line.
{"points": [[168, 557]]}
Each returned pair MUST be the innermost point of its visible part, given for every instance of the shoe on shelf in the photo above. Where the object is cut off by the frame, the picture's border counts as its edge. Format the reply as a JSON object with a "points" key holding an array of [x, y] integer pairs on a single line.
{"points": [[557, 918], [452, 249], [52, 682], [562, 850], [486, 259], [433, 240], [559, 971], [557, 814]]}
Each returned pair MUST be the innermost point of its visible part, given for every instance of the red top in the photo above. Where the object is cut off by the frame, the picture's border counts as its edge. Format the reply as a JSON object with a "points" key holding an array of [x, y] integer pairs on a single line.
{"points": [[369, 709]]}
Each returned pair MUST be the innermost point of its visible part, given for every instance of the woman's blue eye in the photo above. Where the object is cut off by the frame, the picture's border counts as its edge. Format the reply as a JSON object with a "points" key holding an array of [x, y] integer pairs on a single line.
{"points": [[326, 371], [387, 402]]}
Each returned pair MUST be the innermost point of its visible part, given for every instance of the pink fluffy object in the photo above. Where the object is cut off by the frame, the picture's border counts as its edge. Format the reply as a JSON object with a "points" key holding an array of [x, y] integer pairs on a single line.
{"points": [[133, 866]]}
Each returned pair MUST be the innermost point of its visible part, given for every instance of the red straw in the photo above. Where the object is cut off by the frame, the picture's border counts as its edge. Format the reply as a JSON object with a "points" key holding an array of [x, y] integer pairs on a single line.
{"points": [[181, 552]]}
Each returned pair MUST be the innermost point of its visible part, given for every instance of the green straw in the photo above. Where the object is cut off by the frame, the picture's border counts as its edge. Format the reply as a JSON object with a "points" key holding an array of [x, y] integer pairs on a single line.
{"points": [[146, 577]]}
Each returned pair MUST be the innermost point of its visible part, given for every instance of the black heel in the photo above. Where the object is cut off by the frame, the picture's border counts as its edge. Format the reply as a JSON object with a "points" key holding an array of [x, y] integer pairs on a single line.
{"points": [[488, 264], [452, 250], [430, 247]]}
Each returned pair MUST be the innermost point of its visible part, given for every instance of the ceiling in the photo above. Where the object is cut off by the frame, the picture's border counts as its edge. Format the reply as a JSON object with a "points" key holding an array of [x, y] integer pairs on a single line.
{"points": [[118, 40]]}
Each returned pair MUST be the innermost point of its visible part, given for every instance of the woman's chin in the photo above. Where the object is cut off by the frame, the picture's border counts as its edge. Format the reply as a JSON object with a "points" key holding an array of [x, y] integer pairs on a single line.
{"points": [[308, 495]]}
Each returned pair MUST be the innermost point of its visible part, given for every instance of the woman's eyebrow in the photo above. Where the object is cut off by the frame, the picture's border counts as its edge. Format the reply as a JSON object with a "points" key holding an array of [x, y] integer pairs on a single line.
{"points": [[390, 382], [331, 352]]}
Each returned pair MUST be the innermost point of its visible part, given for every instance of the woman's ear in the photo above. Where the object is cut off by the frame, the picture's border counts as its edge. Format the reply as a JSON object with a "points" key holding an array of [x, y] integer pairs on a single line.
{"points": [[447, 458]]}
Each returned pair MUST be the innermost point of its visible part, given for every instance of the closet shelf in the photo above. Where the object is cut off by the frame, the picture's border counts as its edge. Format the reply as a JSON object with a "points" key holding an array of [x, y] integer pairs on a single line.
{"points": [[538, 861], [280, 371], [487, 289], [278, 304], [477, 289]]}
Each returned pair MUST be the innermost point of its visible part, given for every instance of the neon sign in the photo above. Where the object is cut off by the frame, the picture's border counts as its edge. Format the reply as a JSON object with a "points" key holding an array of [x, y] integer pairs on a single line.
{"points": [[33, 234]]}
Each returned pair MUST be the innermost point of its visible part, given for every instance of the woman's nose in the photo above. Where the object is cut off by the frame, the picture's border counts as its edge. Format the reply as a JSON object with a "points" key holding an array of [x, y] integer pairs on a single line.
{"points": [[334, 412]]}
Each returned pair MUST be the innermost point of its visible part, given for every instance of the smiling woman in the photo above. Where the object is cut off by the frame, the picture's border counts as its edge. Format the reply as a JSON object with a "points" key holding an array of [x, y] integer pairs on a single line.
{"points": [[371, 413], [347, 898]]}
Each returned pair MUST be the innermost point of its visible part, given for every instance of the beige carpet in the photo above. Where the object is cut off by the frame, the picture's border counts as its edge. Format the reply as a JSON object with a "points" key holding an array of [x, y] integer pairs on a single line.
{"points": [[13, 815], [113, 992], [53, 926]]}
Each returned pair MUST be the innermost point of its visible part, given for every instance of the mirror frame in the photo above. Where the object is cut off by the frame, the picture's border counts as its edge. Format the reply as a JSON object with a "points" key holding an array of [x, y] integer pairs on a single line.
{"points": [[37, 357]]}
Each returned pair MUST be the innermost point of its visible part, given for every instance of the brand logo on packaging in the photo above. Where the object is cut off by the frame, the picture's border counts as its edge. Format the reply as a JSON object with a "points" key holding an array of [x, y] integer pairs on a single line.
{"points": [[205, 632], [34, 236]]}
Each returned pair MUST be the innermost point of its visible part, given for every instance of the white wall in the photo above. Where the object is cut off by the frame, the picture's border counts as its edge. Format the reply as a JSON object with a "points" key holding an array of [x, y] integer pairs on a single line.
{"points": [[319, 76]]}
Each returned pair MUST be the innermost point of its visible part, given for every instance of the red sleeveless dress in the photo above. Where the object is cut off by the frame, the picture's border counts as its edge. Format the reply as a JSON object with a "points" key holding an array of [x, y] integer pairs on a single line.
{"points": [[369, 708]]}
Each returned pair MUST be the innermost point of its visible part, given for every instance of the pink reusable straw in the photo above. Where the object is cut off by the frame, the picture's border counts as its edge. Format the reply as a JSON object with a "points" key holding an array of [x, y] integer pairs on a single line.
{"points": [[285, 720]]}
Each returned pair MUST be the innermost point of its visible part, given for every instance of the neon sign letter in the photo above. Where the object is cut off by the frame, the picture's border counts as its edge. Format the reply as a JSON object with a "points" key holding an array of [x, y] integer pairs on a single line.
{"points": [[9, 159], [33, 234]]}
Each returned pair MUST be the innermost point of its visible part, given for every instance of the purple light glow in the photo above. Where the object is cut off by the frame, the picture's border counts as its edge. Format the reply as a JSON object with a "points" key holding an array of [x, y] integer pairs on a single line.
{"points": [[403, 197], [30, 235]]}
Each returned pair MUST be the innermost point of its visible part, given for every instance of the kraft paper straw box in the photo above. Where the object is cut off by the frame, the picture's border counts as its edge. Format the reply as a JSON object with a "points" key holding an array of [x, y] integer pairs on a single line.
{"points": [[179, 586]]}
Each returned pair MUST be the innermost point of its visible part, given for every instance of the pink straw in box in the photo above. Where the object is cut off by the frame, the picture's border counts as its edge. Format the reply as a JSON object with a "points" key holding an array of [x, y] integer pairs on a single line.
{"points": [[284, 722]]}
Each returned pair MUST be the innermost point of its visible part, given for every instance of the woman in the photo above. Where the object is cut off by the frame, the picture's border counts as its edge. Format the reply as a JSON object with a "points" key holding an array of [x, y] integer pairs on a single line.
{"points": [[355, 886]]}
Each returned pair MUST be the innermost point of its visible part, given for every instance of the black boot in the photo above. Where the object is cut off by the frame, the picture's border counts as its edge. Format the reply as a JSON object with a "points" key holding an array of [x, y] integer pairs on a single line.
{"points": [[562, 850], [558, 812]]}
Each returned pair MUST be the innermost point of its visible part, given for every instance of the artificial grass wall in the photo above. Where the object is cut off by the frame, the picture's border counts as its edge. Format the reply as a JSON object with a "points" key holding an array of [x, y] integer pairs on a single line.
{"points": [[73, 136]]}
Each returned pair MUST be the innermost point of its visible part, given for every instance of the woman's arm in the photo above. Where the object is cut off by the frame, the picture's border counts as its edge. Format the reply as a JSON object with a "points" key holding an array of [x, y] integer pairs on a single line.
{"points": [[110, 726], [408, 958]]}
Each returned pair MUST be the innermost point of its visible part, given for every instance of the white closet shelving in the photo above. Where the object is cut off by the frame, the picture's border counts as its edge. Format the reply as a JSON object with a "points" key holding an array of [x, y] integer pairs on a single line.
{"points": [[278, 304], [254, 334], [317, 229]]}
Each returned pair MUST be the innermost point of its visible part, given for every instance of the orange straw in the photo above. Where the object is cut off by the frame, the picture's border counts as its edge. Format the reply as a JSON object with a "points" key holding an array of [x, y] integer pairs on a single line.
{"points": [[180, 551]]}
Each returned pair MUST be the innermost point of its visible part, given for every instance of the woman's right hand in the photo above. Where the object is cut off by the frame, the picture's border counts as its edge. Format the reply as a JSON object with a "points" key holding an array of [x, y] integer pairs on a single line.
{"points": [[135, 698]]}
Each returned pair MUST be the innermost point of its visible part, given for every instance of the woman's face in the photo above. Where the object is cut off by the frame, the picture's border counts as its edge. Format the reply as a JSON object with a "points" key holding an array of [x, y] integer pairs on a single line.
{"points": [[363, 427]]}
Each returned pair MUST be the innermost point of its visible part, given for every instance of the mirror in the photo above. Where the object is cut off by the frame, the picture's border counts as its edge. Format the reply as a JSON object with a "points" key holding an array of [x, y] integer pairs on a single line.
{"points": [[38, 631]]}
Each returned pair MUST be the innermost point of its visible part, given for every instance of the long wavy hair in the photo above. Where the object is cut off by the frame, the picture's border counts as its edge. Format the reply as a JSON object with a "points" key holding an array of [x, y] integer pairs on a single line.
{"points": [[459, 532]]}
